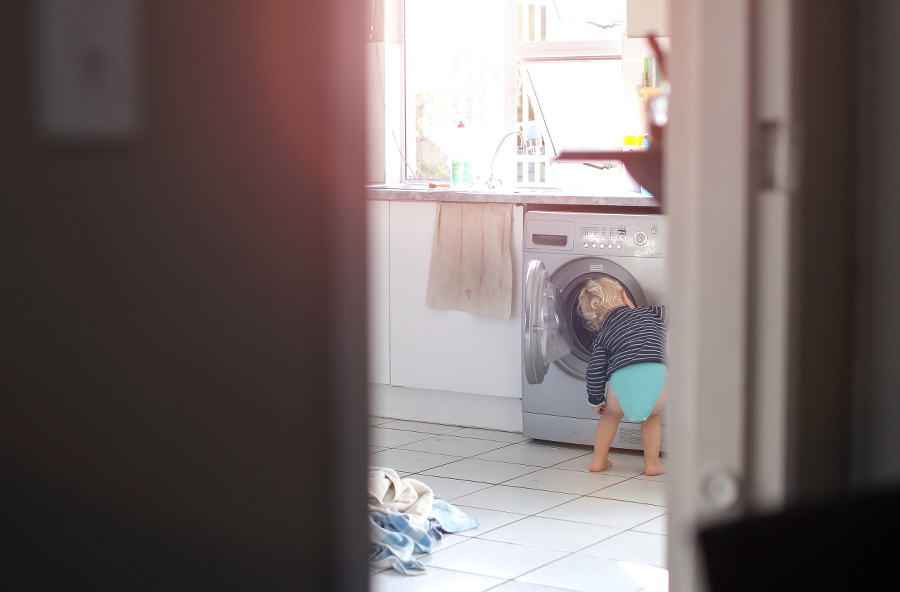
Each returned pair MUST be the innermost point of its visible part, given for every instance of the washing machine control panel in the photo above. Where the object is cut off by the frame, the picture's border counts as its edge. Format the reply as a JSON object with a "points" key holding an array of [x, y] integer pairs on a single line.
{"points": [[634, 240], [597, 235]]}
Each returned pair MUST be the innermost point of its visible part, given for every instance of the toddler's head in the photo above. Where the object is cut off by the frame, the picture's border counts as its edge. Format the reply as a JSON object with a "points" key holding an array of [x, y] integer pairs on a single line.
{"points": [[598, 297]]}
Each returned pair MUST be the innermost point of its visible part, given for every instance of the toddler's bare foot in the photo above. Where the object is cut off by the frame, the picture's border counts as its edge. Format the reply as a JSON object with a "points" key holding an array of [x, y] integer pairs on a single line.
{"points": [[598, 465], [654, 468]]}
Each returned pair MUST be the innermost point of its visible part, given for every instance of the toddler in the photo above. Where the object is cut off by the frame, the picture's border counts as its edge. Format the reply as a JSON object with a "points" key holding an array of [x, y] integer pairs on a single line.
{"points": [[627, 374]]}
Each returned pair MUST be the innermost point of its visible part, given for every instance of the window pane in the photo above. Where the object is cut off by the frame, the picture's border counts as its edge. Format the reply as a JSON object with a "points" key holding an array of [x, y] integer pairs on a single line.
{"points": [[454, 72], [570, 20], [581, 102]]}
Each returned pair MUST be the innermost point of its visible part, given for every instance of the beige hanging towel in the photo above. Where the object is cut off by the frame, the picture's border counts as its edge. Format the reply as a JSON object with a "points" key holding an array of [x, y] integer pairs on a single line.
{"points": [[471, 259]]}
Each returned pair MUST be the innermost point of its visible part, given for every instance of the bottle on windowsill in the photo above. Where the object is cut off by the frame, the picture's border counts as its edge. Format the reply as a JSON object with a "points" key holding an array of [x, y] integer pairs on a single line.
{"points": [[461, 167]]}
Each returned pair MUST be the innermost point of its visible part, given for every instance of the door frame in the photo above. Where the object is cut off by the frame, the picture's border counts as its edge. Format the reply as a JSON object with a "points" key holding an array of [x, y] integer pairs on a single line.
{"points": [[759, 178], [730, 224]]}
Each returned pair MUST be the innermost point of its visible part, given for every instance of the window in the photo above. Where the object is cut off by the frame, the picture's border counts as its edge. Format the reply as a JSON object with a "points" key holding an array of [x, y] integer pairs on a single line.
{"points": [[455, 72], [499, 67]]}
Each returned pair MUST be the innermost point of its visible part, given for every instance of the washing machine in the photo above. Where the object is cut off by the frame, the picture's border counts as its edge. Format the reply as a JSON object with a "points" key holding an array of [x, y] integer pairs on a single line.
{"points": [[562, 251]]}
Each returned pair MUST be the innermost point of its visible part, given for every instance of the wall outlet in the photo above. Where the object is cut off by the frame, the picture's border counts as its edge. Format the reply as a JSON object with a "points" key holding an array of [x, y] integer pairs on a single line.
{"points": [[87, 68]]}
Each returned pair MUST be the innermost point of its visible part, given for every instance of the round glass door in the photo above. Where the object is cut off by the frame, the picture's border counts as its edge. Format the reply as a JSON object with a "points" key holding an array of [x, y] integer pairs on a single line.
{"points": [[547, 333], [573, 277]]}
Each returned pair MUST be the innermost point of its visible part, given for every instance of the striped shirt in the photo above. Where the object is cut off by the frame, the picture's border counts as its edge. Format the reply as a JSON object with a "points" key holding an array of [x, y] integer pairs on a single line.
{"points": [[629, 336]]}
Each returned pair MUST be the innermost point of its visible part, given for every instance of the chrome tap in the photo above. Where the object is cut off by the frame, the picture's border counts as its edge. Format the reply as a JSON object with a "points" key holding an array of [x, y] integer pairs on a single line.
{"points": [[531, 146]]}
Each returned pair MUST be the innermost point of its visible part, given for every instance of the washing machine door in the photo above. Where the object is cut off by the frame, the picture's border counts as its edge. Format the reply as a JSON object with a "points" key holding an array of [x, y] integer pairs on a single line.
{"points": [[546, 331]]}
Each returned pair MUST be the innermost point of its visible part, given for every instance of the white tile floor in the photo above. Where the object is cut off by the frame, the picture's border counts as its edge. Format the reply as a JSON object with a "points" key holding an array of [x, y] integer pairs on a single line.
{"points": [[547, 523]]}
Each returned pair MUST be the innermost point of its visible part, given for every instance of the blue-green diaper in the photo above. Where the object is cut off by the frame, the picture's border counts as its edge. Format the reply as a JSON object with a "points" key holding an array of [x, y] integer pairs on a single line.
{"points": [[638, 388]]}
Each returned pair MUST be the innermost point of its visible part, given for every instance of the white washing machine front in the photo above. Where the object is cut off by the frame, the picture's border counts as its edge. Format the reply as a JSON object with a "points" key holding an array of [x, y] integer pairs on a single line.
{"points": [[562, 251]]}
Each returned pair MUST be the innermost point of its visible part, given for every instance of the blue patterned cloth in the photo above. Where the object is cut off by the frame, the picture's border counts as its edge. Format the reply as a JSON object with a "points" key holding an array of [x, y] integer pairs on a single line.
{"points": [[396, 540]]}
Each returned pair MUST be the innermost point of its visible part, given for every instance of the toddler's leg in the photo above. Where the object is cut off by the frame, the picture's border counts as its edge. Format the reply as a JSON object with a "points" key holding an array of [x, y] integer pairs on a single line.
{"points": [[651, 438], [606, 431]]}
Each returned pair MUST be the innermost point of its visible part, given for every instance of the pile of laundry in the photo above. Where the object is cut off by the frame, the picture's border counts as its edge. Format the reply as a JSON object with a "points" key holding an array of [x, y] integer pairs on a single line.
{"points": [[406, 520]]}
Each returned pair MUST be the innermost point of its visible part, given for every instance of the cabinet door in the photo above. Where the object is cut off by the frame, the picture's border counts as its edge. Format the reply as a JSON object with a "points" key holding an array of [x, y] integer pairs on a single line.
{"points": [[447, 350], [379, 291]]}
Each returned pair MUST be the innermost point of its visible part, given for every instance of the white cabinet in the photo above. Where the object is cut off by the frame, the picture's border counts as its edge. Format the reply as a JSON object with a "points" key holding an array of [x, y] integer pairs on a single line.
{"points": [[422, 351], [378, 251], [447, 350]]}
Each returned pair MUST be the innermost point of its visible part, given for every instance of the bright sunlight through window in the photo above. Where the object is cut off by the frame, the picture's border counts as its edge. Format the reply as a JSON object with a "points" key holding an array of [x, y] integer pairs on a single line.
{"points": [[552, 68]]}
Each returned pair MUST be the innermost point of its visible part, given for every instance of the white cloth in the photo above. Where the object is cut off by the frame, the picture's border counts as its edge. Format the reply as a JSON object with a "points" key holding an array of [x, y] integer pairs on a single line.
{"points": [[471, 259], [388, 492]]}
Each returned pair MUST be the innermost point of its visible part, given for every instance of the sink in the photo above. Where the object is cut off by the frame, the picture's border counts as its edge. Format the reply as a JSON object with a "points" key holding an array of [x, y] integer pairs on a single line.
{"points": [[536, 190], [398, 186]]}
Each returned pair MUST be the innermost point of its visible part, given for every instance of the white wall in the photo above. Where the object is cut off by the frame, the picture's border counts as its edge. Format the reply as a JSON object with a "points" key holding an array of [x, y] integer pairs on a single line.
{"points": [[384, 91]]}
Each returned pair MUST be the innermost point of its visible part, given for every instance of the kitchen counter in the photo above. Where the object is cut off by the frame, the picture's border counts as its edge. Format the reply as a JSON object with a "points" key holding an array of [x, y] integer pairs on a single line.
{"points": [[551, 197]]}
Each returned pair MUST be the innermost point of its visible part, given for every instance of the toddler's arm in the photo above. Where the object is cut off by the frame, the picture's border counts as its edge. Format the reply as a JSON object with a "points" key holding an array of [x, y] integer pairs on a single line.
{"points": [[596, 378]]}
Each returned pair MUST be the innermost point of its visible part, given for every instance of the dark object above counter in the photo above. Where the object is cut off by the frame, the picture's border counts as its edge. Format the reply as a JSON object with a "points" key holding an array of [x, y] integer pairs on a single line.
{"points": [[645, 166]]}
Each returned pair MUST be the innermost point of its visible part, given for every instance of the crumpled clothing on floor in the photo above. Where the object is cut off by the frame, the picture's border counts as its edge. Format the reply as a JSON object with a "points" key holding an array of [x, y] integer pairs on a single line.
{"points": [[405, 520]]}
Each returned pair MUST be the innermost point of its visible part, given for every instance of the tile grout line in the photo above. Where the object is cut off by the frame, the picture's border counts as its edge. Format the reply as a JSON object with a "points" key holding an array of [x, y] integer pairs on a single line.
{"points": [[537, 468]]}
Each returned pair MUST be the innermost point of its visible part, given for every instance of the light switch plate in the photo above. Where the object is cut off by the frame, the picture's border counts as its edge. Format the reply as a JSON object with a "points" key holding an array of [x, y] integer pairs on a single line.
{"points": [[88, 68]]}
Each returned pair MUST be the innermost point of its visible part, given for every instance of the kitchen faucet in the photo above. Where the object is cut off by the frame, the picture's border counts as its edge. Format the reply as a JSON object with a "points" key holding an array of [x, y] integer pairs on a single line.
{"points": [[531, 146]]}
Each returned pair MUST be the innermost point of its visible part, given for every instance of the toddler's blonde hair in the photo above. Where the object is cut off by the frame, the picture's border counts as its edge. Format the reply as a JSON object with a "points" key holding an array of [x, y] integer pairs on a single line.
{"points": [[597, 298]]}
